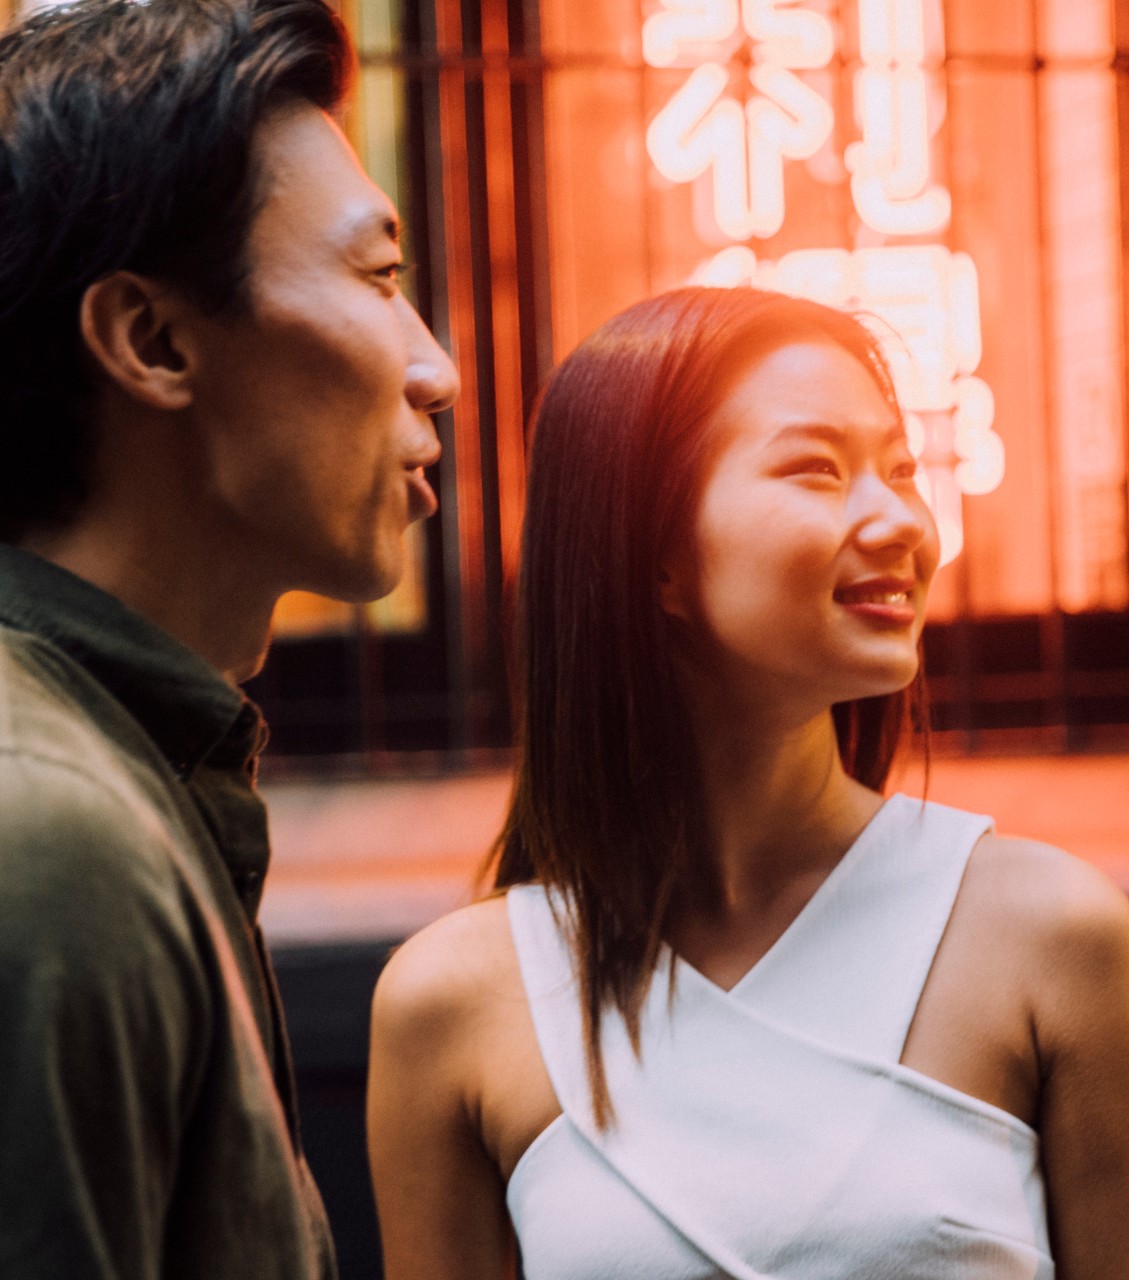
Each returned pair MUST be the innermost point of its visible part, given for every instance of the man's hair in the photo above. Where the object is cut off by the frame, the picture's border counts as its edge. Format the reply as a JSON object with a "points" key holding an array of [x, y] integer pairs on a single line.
{"points": [[126, 142], [607, 808]]}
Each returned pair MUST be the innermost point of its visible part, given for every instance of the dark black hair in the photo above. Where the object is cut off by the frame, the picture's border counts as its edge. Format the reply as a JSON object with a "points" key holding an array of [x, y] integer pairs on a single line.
{"points": [[126, 131], [607, 807]]}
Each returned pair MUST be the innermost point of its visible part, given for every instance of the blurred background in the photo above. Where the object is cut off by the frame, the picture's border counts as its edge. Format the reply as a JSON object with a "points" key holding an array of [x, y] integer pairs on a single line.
{"points": [[958, 169]]}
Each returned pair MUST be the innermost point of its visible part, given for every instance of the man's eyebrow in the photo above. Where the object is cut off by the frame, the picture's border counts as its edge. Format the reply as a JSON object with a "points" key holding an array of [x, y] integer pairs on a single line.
{"points": [[893, 434]]}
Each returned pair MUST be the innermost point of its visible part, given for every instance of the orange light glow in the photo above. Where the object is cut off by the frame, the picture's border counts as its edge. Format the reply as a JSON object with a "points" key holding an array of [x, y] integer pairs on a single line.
{"points": [[1079, 116], [1019, 134]]}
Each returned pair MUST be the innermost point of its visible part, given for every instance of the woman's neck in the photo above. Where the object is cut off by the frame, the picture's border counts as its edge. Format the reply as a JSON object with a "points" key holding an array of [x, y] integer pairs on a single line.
{"points": [[780, 811]]}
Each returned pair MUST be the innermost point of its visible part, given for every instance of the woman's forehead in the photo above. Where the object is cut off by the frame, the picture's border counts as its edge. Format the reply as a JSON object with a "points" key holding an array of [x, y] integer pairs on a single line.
{"points": [[808, 383]]}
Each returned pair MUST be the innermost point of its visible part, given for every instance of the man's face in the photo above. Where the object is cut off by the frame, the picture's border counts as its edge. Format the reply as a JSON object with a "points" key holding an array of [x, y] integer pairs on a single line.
{"points": [[312, 408]]}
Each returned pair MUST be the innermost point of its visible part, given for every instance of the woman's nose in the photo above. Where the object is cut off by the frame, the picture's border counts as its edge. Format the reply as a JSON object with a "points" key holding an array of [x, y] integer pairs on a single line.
{"points": [[889, 515]]}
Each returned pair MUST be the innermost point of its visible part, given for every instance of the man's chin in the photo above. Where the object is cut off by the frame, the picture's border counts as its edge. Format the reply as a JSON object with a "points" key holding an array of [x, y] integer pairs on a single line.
{"points": [[359, 578], [248, 671], [368, 581]]}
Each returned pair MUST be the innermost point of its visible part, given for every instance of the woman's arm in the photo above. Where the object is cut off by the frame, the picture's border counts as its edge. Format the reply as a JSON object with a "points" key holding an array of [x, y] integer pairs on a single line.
{"points": [[439, 1196], [1082, 1029]]}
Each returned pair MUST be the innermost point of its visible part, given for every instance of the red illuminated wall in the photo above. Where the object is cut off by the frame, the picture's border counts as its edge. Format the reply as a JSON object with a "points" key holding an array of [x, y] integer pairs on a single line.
{"points": [[1022, 134]]}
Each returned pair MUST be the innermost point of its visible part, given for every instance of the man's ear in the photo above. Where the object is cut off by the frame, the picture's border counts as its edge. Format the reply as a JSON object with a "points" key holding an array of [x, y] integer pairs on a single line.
{"points": [[130, 325]]}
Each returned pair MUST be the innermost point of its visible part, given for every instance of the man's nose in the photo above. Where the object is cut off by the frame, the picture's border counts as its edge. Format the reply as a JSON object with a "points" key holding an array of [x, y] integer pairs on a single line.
{"points": [[431, 380]]}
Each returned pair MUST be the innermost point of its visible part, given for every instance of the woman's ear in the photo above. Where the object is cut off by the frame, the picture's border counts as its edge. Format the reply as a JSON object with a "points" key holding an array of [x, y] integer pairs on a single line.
{"points": [[673, 591], [132, 327]]}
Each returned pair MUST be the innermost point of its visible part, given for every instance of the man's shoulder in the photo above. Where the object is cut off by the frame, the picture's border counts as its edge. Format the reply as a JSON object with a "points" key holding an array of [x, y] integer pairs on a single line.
{"points": [[57, 720], [98, 945], [43, 692], [72, 809]]}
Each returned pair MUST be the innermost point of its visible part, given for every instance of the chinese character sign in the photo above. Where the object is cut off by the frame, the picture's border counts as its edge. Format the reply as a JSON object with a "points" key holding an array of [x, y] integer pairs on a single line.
{"points": [[738, 136], [744, 147]]}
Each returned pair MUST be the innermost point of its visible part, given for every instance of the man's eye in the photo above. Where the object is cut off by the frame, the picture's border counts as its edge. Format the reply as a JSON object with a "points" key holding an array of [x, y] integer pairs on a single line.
{"points": [[392, 275]]}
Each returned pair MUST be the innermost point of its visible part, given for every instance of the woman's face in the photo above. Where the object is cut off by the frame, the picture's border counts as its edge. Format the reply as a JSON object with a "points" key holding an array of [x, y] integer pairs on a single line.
{"points": [[814, 549]]}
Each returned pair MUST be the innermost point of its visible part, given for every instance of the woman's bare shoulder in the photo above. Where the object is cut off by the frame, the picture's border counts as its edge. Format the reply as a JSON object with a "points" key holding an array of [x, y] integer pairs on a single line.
{"points": [[442, 975], [1052, 889], [1067, 925], [1071, 920]]}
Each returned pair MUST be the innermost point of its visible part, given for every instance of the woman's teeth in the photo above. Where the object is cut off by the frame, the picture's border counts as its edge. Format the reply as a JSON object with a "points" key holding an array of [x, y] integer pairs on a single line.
{"points": [[872, 597]]}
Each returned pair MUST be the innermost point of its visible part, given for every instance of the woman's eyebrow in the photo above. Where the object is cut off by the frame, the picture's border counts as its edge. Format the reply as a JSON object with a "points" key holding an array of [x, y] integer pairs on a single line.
{"points": [[833, 434]]}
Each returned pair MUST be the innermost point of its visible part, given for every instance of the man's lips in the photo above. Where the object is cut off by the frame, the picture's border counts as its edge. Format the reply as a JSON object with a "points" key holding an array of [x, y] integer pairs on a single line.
{"points": [[422, 501]]}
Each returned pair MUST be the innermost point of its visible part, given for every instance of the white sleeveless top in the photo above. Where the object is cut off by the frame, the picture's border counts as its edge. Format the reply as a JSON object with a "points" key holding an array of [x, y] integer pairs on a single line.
{"points": [[769, 1132]]}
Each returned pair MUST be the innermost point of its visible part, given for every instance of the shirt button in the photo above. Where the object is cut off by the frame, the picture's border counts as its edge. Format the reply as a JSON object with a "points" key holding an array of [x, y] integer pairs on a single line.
{"points": [[251, 882]]}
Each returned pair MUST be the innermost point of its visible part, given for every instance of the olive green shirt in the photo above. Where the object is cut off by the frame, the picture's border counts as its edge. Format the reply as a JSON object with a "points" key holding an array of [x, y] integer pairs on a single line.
{"points": [[147, 1112]]}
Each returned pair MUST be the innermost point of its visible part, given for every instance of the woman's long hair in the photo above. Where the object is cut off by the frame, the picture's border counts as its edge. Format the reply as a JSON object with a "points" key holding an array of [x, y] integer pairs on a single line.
{"points": [[606, 810]]}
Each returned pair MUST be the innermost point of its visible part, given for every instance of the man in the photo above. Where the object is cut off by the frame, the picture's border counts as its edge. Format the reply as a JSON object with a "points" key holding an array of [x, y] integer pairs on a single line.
{"points": [[211, 392]]}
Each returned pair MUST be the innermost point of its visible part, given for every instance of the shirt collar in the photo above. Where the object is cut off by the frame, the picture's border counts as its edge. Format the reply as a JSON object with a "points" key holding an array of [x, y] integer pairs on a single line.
{"points": [[183, 703]]}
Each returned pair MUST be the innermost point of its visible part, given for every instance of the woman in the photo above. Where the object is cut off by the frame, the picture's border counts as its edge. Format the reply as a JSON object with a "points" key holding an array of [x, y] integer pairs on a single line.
{"points": [[736, 1015]]}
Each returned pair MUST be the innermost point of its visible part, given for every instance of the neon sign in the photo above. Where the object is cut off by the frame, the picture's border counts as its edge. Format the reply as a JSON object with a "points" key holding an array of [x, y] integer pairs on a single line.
{"points": [[925, 295], [746, 147], [890, 165]]}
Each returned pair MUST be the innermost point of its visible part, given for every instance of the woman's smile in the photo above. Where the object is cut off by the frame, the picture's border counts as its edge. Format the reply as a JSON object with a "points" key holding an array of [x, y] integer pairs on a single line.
{"points": [[882, 600]]}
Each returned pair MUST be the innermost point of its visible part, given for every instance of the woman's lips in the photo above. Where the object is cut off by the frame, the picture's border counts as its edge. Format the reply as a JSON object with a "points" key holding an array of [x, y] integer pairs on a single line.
{"points": [[886, 601]]}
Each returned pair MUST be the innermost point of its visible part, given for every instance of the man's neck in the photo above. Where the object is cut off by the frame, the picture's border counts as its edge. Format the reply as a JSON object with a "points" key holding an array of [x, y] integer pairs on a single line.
{"points": [[194, 596]]}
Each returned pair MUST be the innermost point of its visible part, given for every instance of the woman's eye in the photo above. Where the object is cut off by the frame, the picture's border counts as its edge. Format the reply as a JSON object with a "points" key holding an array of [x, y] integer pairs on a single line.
{"points": [[904, 470], [815, 467]]}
